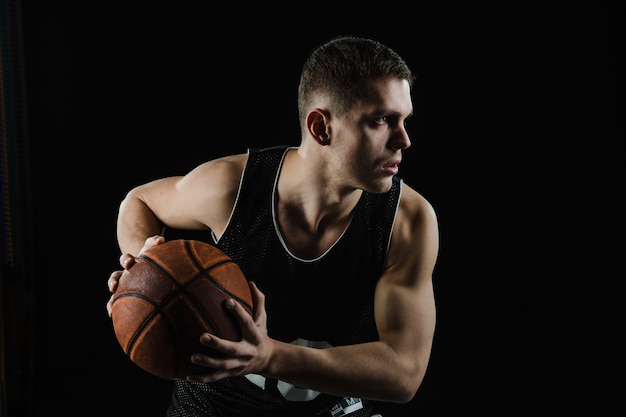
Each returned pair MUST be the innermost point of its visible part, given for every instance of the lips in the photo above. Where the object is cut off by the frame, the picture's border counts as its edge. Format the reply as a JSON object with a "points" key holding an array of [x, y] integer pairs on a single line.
{"points": [[392, 168], [393, 164]]}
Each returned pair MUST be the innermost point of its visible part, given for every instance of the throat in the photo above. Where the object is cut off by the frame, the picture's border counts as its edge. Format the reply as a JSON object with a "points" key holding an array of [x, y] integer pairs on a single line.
{"points": [[309, 241]]}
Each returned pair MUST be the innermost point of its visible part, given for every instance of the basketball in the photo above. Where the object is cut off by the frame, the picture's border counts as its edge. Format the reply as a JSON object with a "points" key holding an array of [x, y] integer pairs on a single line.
{"points": [[172, 294]]}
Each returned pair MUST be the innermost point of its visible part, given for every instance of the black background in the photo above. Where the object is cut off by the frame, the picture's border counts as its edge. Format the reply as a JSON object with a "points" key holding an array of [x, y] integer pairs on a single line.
{"points": [[517, 142]]}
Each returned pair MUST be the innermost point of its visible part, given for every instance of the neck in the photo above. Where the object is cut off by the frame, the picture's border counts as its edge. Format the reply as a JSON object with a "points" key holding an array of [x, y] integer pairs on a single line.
{"points": [[310, 213], [303, 188]]}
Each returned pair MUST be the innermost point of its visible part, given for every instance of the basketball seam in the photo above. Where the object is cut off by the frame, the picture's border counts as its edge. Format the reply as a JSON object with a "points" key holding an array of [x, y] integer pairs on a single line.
{"points": [[199, 266], [159, 309], [181, 289]]}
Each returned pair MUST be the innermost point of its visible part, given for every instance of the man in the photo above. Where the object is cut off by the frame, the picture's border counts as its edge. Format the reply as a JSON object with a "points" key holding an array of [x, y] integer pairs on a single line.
{"points": [[338, 250]]}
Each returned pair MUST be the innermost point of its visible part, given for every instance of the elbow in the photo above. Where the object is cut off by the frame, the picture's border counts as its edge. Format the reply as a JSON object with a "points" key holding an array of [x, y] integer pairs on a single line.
{"points": [[406, 393], [405, 388]]}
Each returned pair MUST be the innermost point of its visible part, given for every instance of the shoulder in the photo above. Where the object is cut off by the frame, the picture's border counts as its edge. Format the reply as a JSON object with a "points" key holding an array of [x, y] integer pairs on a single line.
{"points": [[414, 208], [208, 192], [214, 182], [415, 235], [221, 173], [226, 165]]}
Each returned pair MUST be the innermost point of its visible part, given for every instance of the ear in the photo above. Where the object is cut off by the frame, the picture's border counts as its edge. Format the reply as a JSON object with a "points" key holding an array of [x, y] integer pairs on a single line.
{"points": [[318, 127]]}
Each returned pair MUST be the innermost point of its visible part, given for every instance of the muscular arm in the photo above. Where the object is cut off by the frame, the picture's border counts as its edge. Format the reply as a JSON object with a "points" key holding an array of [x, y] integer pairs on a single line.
{"points": [[393, 368], [202, 199], [390, 369]]}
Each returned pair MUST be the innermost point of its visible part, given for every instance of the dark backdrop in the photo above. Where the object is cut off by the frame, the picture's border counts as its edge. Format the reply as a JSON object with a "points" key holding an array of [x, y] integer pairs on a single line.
{"points": [[517, 142]]}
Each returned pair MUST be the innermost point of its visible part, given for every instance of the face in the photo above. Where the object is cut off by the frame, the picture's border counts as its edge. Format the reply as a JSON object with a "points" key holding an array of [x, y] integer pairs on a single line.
{"points": [[370, 138]]}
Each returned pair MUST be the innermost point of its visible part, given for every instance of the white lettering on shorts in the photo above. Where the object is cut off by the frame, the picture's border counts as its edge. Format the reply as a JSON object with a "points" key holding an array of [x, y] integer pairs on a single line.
{"points": [[346, 406], [288, 391]]}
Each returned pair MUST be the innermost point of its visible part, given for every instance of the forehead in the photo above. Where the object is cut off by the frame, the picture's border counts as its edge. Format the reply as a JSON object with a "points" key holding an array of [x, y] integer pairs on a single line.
{"points": [[391, 95]]}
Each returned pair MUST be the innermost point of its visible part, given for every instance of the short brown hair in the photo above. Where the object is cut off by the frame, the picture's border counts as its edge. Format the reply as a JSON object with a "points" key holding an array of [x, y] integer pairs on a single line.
{"points": [[343, 68]]}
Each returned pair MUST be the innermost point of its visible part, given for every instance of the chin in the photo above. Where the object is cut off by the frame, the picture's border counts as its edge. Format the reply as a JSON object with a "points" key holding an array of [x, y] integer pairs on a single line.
{"points": [[379, 187]]}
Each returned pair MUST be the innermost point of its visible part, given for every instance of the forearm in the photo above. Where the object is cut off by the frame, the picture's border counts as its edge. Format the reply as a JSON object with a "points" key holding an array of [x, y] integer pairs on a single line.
{"points": [[369, 370], [135, 223]]}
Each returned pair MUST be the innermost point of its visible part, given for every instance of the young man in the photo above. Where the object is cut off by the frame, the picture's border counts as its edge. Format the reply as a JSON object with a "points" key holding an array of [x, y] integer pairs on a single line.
{"points": [[338, 250]]}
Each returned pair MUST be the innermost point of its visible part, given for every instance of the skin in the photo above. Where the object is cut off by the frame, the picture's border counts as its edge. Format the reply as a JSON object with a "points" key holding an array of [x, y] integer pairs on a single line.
{"points": [[319, 186]]}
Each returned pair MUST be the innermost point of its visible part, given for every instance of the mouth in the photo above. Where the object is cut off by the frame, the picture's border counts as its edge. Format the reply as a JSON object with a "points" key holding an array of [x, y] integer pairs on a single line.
{"points": [[392, 168]]}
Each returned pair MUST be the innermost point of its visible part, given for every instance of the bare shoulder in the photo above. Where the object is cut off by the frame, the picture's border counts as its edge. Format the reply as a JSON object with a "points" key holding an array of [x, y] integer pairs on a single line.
{"points": [[211, 189], [217, 178], [415, 212], [223, 170], [415, 236]]}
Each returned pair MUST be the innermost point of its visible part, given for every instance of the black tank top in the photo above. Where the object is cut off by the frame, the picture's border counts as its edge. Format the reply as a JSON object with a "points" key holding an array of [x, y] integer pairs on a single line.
{"points": [[321, 302]]}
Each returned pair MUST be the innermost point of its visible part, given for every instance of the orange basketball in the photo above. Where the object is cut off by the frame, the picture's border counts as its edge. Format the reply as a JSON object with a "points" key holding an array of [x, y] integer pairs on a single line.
{"points": [[171, 295]]}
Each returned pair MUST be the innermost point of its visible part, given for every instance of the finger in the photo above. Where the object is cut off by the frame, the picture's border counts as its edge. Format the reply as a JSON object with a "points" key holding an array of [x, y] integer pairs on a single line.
{"points": [[127, 260], [244, 318], [114, 280], [214, 375], [110, 306], [156, 239], [229, 354], [230, 348], [152, 241]]}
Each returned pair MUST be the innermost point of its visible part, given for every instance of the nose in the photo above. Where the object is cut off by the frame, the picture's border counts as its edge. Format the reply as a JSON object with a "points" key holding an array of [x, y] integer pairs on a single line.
{"points": [[400, 139]]}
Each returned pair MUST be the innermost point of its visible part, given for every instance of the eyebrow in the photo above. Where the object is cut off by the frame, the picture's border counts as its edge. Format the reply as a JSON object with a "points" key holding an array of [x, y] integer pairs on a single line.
{"points": [[386, 112]]}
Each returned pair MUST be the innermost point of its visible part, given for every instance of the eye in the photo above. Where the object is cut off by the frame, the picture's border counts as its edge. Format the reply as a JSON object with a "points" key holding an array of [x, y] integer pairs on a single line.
{"points": [[380, 120]]}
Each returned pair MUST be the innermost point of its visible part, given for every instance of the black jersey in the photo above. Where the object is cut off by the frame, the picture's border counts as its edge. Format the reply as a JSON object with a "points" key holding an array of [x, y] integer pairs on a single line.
{"points": [[322, 302]]}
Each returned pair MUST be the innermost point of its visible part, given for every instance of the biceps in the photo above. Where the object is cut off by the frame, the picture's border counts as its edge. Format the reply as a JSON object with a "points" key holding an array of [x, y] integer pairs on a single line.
{"points": [[405, 316]]}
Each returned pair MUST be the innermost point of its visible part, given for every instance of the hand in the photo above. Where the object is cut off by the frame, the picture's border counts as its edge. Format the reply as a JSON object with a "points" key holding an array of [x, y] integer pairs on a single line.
{"points": [[126, 261], [250, 355]]}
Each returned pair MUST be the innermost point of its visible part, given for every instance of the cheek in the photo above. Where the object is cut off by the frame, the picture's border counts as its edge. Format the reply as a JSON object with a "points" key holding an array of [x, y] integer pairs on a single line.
{"points": [[348, 157], [368, 146], [357, 149], [360, 158], [362, 153]]}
